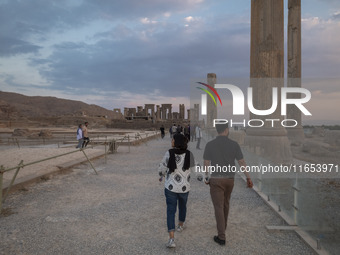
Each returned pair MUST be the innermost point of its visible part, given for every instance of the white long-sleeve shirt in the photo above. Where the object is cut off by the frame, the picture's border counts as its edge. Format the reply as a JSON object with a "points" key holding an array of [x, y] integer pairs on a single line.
{"points": [[79, 134], [198, 132]]}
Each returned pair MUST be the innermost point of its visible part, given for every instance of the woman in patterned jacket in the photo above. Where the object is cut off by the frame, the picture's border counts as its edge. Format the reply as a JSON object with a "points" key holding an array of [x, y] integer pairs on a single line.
{"points": [[176, 167]]}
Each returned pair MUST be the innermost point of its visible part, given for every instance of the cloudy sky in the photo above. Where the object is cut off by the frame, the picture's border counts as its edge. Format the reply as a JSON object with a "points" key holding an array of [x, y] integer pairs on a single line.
{"points": [[124, 53]]}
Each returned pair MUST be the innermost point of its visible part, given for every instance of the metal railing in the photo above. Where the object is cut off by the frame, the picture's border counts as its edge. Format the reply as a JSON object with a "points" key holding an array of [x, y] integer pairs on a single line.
{"points": [[306, 204], [111, 146]]}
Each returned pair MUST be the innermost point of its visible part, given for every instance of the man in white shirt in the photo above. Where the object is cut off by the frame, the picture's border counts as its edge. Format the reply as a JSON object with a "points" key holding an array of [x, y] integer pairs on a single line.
{"points": [[198, 136]]}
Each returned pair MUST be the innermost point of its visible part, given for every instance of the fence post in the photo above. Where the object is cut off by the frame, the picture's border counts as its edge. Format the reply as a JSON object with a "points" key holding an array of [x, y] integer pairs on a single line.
{"points": [[115, 145], [89, 161], [1, 179], [17, 142], [105, 153], [259, 179], [13, 179], [129, 142], [295, 206]]}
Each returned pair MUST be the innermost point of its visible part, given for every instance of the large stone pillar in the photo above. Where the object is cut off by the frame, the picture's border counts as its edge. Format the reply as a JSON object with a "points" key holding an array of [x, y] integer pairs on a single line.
{"points": [[267, 72], [296, 134], [182, 111], [163, 112], [196, 113], [158, 113], [211, 107], [170, 112]]}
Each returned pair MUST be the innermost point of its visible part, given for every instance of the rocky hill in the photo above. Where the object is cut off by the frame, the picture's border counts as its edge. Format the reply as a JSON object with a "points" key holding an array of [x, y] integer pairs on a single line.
{"points": [[17, 110], [13, 106]]}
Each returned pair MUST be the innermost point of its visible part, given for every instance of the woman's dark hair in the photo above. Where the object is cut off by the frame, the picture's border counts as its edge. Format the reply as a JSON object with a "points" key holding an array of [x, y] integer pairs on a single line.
{"points": [[181, 142]]}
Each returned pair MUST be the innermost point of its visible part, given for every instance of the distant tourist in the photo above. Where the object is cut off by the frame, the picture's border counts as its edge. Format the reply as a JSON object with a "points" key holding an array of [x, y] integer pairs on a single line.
{"points": [[80, 137], [187, 132], [192, 133], [176, 166], [198, 133], [86, 135], [222, 152], [174, 129], [179, 129], [162, 131], [170, 131]]}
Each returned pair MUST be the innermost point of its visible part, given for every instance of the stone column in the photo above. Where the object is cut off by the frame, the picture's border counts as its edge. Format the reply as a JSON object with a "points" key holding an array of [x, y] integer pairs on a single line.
{"points": [[158, 113], [211, 107], [266, 72], [126, 111], [163, 113], [296, 134], [170, 112], [181, 111], [196, 112]]}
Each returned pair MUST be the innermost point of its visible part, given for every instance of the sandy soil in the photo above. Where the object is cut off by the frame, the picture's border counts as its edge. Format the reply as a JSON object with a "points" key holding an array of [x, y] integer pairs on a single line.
{"points": [[10, 158]]}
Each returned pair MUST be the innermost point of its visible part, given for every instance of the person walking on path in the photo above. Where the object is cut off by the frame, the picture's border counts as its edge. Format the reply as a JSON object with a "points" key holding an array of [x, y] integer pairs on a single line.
{"points": [[198, 133], [222, 152], [86, 135], [179, 129], [162, 131], [187, 132], [192, 132], [80, 137], [174, 129], [170, 131], [176, 166]]}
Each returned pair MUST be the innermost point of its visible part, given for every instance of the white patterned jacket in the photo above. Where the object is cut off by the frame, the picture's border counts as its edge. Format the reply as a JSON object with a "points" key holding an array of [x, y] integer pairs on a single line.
{"points": [[178, 181]]}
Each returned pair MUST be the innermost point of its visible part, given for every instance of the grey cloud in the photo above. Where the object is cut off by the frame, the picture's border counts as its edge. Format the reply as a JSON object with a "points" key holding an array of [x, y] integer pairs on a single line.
{"points": [[167, 61], [331, 3], [36, 17], [336, 16], [70, 46], [12, 46], [22, 18]]}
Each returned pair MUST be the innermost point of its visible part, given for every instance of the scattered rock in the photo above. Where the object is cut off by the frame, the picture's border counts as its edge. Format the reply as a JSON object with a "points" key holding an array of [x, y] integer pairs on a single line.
{"points": [[316, 148], [332, 137], [46, 133], [21, 132], [319, 131]]}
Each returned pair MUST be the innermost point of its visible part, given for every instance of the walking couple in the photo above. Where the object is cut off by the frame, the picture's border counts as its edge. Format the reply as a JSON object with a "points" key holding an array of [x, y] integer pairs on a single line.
{"points": [[176, 166], [82, 135]]}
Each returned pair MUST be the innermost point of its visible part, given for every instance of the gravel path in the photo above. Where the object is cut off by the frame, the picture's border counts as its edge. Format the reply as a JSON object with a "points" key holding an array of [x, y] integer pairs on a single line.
{"points": [[122, 211]]}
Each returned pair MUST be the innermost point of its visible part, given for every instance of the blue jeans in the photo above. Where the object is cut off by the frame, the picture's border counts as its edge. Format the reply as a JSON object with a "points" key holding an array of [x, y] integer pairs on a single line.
{"points": [[80, 143], [171, 206]]}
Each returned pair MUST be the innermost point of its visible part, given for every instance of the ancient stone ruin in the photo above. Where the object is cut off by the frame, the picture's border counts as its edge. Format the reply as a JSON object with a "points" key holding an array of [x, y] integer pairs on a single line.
{"points": [[162, 112]]}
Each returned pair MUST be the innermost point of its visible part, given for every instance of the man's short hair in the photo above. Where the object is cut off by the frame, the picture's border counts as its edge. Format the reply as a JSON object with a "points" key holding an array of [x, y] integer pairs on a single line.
{"points": [[221, 127]]}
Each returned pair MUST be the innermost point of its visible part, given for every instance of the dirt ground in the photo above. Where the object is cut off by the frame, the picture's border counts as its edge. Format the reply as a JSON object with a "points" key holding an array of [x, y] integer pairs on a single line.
{"points": [[122, 211]]}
